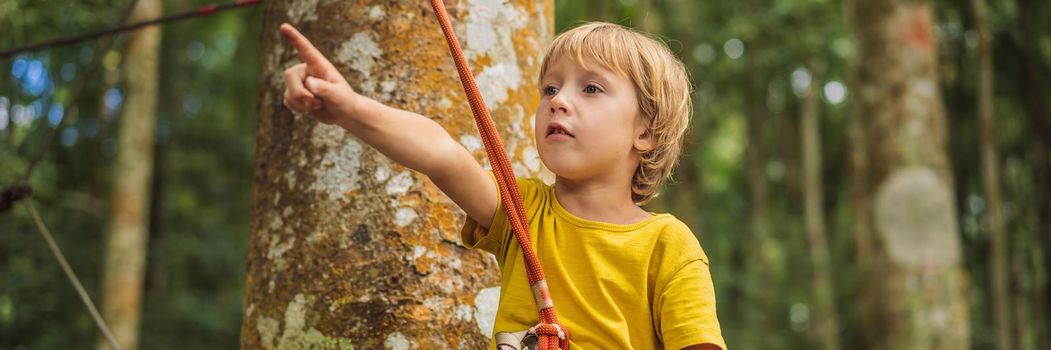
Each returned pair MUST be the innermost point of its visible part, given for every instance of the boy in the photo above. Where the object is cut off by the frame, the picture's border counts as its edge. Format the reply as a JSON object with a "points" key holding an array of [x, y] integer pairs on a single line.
{"points": [[614, 107]]}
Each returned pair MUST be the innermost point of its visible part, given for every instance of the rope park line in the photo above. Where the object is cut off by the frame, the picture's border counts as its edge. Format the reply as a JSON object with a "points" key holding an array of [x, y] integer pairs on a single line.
{"points": [[548, 333], [202, 11], [21, 189]]}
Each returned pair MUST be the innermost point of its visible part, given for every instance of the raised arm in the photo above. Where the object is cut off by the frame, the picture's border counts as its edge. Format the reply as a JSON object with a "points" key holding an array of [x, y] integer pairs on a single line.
{"points": [[410, 139]]}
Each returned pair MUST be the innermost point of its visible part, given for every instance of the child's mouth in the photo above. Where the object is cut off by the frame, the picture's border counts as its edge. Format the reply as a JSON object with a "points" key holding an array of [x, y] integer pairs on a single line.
{"points": [[556, 131]]}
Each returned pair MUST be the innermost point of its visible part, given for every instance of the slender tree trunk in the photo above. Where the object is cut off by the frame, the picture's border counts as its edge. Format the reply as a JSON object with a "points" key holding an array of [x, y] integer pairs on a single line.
{"points": [[126, 246], [991, 182], [916, 286], [762, 257], [349, 249], [826, 321], [788, 139], [1035, 97]]}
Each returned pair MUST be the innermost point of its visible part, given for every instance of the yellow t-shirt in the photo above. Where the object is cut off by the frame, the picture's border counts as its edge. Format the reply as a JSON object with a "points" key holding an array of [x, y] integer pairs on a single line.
{"points": [[640, 286]]}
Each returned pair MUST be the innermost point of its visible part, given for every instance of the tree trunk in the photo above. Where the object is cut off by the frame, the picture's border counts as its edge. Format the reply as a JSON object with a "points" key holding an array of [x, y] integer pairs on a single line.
{"points": [[826, 321], [916, 286], [789, 144], [991, 182], [125, 259], [1035, 97], [762, 260], [349, 249]]}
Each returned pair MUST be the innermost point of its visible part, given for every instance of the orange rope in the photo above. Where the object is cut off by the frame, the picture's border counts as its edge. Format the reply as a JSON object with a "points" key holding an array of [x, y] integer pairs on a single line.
{"points": [[552, 335]]}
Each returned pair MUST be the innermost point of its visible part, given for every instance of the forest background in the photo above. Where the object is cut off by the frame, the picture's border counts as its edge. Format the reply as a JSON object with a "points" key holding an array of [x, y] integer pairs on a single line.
{"points": [[768, 76]]}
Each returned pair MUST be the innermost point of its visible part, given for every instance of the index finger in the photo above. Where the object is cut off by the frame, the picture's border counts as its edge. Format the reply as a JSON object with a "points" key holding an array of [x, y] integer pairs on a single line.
{"points": [[306, 51]]}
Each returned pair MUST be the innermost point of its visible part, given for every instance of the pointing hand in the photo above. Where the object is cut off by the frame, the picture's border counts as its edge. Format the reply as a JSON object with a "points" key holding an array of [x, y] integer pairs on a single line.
{"points": [[315, 86]]}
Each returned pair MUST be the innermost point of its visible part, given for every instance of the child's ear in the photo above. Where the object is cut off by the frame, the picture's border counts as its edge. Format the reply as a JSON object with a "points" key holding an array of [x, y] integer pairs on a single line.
{"points": [[643, 140]]}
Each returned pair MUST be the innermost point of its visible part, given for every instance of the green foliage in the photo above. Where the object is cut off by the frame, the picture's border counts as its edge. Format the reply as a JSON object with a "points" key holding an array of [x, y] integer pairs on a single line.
{"points": [[746, 57], [199, 218]]}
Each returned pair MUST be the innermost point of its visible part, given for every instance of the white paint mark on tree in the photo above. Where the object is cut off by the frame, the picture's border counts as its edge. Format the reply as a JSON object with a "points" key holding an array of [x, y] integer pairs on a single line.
{"points": [[387, 86], [382, 172], [376, 13], [488, 32], [295, 317], [435, 303], [471, 142], [397, 341], [496, 80], [297, 335], [464, 313], [267, 328], [276, 223], [531, 158], [400, 184], [278, 249], [444, 103], [290, 179], [490, 25], [914, 217], [519, 168], [361, 52], [485, 305], [404, 216], [337, 174], [303, 11]]}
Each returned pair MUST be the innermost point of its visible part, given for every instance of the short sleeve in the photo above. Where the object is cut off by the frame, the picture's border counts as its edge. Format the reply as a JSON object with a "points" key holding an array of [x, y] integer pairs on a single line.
{"points": [[685, 308], [496, 238]]}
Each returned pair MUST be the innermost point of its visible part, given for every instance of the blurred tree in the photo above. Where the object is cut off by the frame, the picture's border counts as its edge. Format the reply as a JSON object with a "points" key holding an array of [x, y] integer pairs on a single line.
{"points": [[916, 289], [1034, 96], [826, 320], [125, 254], [348, 248], [991, 181], [201, 192], [763, 257]]}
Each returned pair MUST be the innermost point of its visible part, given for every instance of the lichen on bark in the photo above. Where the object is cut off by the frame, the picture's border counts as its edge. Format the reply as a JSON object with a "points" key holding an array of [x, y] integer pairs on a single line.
{"points": [[349, 249]]}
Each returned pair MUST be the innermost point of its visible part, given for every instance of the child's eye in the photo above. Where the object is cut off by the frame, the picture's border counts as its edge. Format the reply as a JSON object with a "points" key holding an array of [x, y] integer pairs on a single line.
{"points": [[592, 89], [550, 90]]}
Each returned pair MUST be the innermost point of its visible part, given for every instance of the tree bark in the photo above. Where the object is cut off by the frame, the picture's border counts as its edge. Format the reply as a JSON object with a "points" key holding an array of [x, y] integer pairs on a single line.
{"points": [[991, 182], [826, 322], [349, 249], [125, 258], [916, 289]]}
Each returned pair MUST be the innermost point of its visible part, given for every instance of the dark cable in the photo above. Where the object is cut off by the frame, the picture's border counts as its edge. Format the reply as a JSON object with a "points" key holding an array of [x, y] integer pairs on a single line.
{"points": [[73, 39]]}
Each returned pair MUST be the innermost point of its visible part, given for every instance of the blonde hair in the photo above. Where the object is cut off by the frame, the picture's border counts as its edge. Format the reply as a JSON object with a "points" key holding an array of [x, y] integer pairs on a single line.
{"points": [[662, 87]]}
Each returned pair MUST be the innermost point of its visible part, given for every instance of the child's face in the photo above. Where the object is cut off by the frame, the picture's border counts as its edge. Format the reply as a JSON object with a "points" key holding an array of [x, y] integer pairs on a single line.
{"points": [[599, 112]]}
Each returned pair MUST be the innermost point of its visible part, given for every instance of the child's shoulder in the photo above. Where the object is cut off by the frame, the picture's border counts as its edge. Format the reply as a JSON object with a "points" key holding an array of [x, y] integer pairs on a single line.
{"points": [[676, 238], [672, 229]]}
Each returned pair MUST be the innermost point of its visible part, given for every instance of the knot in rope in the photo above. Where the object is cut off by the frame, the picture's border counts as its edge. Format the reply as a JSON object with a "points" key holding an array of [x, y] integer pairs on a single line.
{"points": [[548, 329], [551, 335]]}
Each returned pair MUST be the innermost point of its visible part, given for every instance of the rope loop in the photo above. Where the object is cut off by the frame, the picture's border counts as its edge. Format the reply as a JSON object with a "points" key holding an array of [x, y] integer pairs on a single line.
{"points": [[552, 335]]}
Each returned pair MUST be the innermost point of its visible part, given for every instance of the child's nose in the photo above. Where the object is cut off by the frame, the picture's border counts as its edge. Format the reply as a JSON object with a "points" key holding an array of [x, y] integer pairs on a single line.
{"points": [[558, 103]]}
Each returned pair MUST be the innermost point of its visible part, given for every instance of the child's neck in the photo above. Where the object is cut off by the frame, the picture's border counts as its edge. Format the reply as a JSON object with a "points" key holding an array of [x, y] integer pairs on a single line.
{"points": [[598, 200]]}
